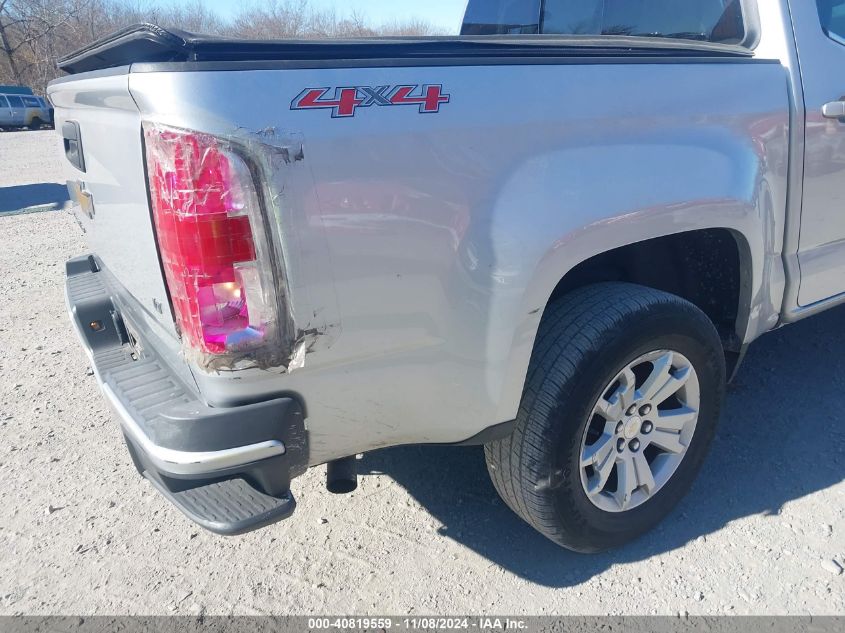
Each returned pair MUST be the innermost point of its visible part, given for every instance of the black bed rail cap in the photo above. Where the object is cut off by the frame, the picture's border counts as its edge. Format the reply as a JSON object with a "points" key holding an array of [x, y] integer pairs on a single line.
{"points": [[139, 42], [148, 43]]}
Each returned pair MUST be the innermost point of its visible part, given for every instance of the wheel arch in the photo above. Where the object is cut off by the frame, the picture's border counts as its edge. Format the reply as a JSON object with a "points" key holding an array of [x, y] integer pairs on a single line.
{"points": [[711, 268], [714, 267]]}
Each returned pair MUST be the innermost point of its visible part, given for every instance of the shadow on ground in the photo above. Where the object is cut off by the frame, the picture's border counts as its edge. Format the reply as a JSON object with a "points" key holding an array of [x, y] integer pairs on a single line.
{"points": [[785, 404], [47, 195]]}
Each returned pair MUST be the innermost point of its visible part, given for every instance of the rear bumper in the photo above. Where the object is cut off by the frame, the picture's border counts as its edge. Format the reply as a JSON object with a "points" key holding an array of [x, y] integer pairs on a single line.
{"points": [[183, 462], [227, 468]]}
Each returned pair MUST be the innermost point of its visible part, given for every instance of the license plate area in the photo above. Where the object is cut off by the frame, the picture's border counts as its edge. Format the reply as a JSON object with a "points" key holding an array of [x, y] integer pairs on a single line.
{"points": [[82, 198]]}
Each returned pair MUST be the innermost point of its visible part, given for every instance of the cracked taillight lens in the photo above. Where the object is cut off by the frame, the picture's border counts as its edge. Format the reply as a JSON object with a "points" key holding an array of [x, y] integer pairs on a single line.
{"points": [[212, 240]]}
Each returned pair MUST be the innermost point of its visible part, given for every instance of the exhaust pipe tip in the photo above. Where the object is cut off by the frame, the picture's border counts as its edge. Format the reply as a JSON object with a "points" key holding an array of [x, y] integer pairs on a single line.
{"points": [[342, 475]]}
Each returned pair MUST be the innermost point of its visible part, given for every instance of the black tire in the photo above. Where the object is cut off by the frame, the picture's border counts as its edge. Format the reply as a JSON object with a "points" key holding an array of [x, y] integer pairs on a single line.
{"points": [[585, 338]]}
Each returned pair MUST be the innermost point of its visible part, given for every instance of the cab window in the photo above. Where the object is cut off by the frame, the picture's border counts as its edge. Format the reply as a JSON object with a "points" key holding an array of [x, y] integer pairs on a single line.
{"points": [[832, 16], [3, 102], [719, 21], [501, 17]]}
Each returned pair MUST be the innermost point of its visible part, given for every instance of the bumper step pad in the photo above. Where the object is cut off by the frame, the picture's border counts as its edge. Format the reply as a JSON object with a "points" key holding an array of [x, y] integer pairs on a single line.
{"points": [[226, 468], [229, 507]]}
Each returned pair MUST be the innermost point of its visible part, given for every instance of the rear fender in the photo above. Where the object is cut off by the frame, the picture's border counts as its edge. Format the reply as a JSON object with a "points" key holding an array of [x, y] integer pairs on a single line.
{"points": [[623, 193]]}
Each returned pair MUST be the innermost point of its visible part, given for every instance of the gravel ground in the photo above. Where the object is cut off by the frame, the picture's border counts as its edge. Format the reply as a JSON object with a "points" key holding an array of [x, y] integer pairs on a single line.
{"points": [[762, 531], [32, 172]]}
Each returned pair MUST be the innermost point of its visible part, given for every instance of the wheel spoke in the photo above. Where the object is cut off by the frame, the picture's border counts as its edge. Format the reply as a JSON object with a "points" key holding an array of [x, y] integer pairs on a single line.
{"points": [[603, 470], [610, 409], [597, 453], [628, 388], [613, 408], [627, 482], [660, 373], [662, 383], [675, 382], [645, 478], [675, 419], [667, 440]]}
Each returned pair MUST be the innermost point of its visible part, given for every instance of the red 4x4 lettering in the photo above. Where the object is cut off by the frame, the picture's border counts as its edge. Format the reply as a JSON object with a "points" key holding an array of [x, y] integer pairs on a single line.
{"points": [[345, 101], [343, 104], [429, 100]]}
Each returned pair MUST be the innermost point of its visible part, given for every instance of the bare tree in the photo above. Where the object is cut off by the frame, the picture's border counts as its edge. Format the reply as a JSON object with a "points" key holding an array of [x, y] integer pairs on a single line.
{"points": [[409, 28], [272, 20], [28, 30], [34, 34], [9, 21]]}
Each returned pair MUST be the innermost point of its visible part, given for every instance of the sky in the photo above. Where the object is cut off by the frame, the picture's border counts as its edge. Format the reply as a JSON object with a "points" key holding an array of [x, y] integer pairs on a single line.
{"points": [[446, 14]]}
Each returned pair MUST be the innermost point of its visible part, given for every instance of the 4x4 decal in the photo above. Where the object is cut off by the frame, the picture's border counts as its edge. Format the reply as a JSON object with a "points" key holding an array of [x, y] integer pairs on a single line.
{"points": [[344, 102]]}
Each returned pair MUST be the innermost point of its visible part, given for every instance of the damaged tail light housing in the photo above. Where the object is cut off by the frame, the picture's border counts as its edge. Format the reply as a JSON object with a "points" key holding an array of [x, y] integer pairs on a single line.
{"points": [[213, 242]]}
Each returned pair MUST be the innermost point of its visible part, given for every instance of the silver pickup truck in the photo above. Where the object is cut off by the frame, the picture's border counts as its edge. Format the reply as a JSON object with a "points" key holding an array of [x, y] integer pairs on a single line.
{"points": [[554, 235]]}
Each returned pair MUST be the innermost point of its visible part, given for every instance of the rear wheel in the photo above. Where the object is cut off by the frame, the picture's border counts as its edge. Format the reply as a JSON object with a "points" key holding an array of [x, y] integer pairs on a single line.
{"points": [[621, 401]]}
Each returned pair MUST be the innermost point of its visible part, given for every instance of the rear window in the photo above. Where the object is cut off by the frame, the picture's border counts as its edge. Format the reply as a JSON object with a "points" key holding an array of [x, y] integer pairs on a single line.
{"points": [[16, 102], [501, 17], [703, 20], [718, 21], [31, 102], [832, 16]]}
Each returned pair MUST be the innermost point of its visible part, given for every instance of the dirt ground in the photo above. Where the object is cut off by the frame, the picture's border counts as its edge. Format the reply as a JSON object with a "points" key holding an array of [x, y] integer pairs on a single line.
{"points": [[31, 172], [762, 531]]}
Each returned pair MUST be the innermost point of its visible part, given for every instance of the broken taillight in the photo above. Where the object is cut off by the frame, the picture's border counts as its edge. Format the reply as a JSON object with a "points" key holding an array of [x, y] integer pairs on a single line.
{"points": [[212, 240]]}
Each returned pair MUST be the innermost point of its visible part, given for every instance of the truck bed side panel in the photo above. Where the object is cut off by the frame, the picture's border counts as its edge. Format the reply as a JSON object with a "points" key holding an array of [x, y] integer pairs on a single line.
{"points": [[421, 248]]}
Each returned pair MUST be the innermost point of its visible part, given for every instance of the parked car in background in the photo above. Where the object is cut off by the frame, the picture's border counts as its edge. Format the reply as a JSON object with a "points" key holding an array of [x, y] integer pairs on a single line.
{"points": [[19, 107], [38, 112]]}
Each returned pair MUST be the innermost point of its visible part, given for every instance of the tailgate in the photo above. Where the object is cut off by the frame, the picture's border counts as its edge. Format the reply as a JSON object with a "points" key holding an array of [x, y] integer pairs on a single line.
{"points": [[100, 111]]}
